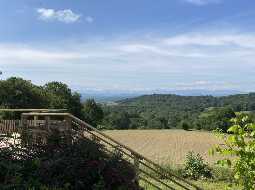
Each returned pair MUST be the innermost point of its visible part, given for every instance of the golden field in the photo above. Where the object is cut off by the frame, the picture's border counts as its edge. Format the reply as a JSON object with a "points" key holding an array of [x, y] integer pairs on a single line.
{"points": [[168, 146]]}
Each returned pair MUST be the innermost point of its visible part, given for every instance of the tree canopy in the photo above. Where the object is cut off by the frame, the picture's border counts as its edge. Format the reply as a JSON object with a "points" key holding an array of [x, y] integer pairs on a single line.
{"points": [[171, 111], [149, 111], [19, 93]]}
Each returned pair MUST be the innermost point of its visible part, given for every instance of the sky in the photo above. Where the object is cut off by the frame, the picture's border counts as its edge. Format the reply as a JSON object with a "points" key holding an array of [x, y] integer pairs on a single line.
{"points": [[130, 45]]}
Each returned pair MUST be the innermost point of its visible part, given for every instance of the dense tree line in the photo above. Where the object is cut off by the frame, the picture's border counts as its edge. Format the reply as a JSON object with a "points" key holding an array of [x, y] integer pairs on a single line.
{"points": [[20, 93], [144, 112], [173, 111]]}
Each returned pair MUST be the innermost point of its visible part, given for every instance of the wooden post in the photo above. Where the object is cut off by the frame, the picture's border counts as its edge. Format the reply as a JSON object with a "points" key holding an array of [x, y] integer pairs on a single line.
{"points": [[35, 117], [68, 123], [24, 121], [67, 130], [35, 120], [136, 166], [47, 129], [47, 122], [24, 130]]}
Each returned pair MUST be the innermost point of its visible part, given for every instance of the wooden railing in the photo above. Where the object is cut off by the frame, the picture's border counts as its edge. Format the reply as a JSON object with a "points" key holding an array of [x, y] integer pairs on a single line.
{"points": [[14, 126], [147, 171]]}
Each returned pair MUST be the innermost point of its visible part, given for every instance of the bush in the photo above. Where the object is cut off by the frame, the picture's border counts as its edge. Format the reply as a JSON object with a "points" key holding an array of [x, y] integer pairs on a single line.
{"points": [[184, 125], [240, 145], [59, 164], [222, 174], [195, 167]]}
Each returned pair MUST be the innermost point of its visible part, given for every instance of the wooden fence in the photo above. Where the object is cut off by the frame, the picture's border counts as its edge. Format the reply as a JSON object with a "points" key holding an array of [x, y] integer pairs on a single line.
{"points": [[10, 126], [14, 126]]}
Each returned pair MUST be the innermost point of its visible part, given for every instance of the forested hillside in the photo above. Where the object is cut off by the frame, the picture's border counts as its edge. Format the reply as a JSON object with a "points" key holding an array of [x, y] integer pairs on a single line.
{"points": [[149, 111], [172, 111], [238, 102]]}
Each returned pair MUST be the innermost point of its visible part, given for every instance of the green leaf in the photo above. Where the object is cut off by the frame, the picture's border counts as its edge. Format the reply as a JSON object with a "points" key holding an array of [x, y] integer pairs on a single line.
{"points": [[234, 129], [251, 126], [232, 139]]}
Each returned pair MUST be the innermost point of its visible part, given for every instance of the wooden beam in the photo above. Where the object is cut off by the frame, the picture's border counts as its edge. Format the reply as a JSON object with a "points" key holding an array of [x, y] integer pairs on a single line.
{"points": [[33, 110], [45, 114]]}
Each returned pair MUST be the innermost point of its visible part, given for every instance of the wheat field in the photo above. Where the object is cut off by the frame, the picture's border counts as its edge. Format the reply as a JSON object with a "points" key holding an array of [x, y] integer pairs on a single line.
{"points": [[168, 146]]}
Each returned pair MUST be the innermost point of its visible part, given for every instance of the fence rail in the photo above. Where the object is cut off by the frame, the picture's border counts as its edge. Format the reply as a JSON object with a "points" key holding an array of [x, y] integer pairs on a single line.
{"points": [[146, 169]]}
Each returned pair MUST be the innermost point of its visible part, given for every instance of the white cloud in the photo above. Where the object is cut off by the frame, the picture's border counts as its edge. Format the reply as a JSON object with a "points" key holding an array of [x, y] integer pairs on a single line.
{"points": [[190, 45], [157, 49], [66, 15], [89, 19], [202, 2], [35, 54], [203, 85], [210, 39], [153, 62]]}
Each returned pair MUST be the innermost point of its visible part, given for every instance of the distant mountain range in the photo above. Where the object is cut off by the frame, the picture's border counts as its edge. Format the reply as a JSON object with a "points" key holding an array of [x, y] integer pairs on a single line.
{"points": [[112, 96]]}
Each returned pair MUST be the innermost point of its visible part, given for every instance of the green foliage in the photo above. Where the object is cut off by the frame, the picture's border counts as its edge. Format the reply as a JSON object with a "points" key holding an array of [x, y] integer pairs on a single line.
{"points": [[220, 173], [92, 112], [195, 167], [167, 111], [61, 97], [60, 165], [216, 118], [240, 144], [184, 125], [117, 120], [19, 93]]}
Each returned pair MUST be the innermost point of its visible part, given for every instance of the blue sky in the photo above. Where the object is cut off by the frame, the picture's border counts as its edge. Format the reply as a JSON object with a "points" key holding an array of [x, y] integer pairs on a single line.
{"points": [[130, 45]]}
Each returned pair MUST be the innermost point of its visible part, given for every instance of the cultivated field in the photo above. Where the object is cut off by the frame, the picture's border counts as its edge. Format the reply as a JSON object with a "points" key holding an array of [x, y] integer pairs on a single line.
{"points": [[168, 146]]}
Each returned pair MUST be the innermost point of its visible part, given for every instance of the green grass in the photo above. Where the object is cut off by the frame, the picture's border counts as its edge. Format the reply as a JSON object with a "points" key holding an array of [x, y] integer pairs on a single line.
{"points": [[203, 184]]}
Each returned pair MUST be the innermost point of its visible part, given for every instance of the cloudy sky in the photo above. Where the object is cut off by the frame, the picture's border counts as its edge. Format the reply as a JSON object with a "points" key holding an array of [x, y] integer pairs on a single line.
{"points": [[130, 44]]}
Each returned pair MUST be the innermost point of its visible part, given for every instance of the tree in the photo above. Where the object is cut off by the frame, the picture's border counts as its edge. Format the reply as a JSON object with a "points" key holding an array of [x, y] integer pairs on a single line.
{"points": [[76, 105], [20, 93], [61, 97], [184, 125], [214, 118], [240, 144], [92, 112], [118, 120], [173, 120], [157, 123]]}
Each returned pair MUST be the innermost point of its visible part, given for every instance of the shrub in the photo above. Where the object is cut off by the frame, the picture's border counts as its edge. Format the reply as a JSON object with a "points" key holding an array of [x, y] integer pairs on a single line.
{"points": [[184, 125], [222, 174], [240, 144], [59, 164], [195, 167]]}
